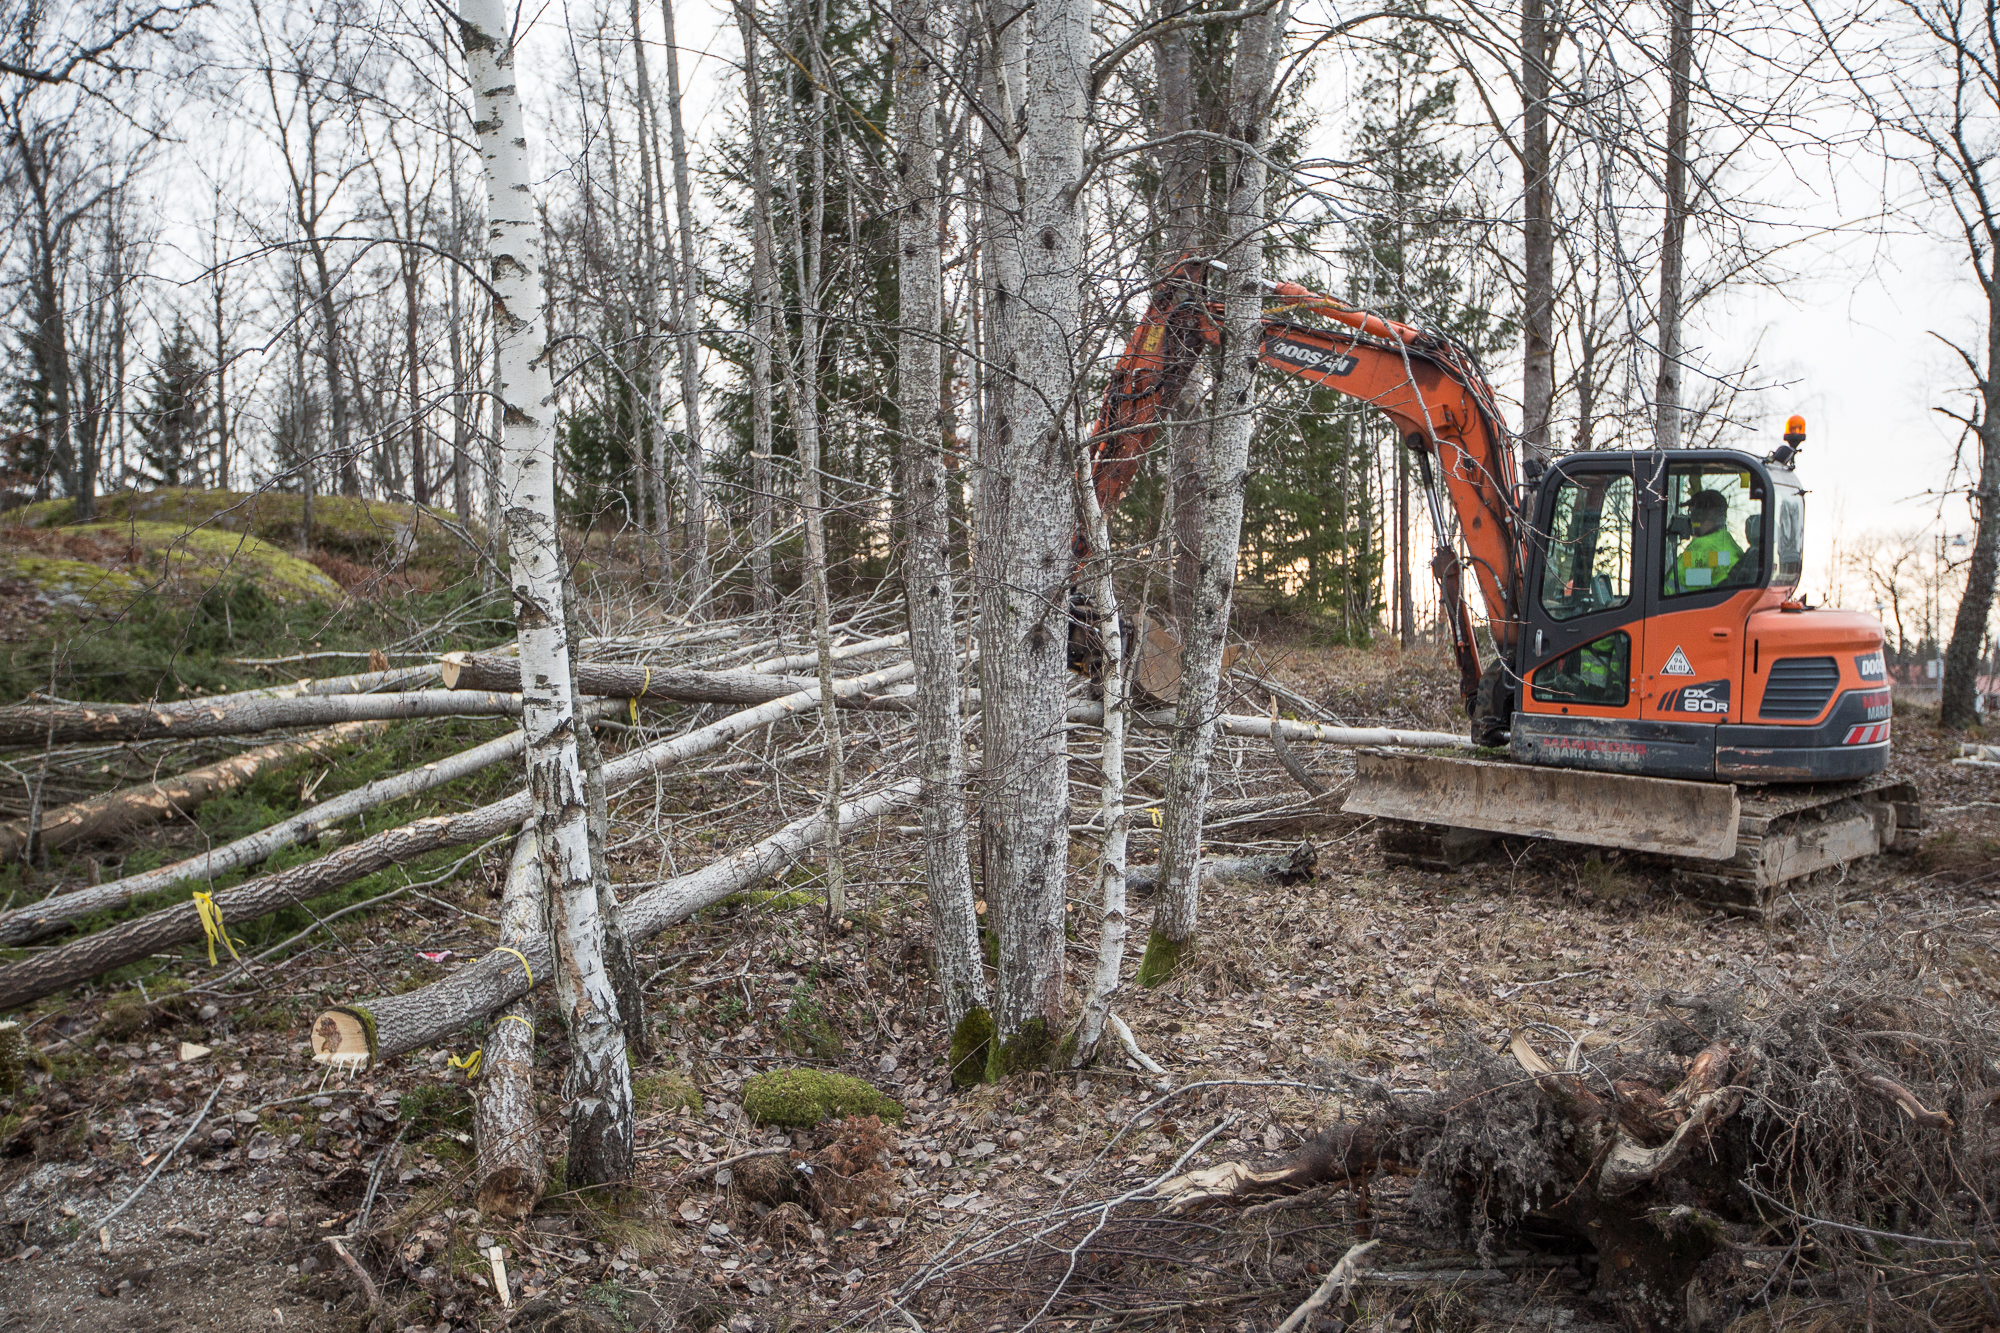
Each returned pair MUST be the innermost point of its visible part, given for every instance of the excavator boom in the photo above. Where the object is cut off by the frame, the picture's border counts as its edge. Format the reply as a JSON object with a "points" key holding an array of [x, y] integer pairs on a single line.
{"points": [[1427, 384]]}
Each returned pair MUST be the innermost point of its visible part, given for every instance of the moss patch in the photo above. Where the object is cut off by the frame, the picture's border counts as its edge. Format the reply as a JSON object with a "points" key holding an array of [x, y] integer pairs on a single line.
{"points": [[665, 1092], [971, 1047], [804, 1097], [1030, 1048], [1164, 957], [77, 584]]}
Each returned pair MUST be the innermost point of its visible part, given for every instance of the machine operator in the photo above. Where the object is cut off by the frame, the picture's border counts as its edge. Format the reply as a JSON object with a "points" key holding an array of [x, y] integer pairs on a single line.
{"points": [[1708, 556]]}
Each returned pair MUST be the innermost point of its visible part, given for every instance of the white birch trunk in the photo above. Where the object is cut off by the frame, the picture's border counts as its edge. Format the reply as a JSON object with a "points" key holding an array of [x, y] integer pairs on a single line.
{"points": [[1026, 517], [1111, 788], [598, 1088], [1207, 633], [927, 577]]}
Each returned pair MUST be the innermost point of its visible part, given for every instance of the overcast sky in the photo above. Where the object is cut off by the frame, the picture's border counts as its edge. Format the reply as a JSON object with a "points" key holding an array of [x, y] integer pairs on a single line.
{"points": [[1848, 343]]}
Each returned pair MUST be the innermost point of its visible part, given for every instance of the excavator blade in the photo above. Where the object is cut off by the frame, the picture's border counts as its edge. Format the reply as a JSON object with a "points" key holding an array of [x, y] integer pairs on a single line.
{"points": [[1664, 815]]}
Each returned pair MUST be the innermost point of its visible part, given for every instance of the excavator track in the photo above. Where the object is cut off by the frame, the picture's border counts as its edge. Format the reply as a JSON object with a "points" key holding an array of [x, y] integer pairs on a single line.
{"points": [[1780, 836], [1787, 833]]}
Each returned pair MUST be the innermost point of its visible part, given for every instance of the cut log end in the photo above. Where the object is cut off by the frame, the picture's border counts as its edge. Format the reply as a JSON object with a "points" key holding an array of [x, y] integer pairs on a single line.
{"points": [[509, 1193], [344, 1039], [449, 667]]}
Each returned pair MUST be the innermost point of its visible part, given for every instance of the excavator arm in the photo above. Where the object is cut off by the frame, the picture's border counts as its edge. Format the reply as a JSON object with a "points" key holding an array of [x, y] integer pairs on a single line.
{"points": [[1425, 382]]}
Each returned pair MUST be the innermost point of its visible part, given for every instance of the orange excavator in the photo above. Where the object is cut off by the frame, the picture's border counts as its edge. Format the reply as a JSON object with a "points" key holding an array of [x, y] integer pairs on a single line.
{"points": [[1656, 680]]}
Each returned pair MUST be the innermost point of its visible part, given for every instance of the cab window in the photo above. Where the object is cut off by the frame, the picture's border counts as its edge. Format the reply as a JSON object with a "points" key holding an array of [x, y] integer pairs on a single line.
{"points": [[1589, 567], [1790, 546], [1715, 521], [1599, 674]]}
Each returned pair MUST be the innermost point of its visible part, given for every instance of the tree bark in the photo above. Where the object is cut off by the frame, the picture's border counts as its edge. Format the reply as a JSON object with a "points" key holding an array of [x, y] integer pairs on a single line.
{"points": [[1673, 237], [694, 500], [26, 924], [652, 214], [356, 1036], [1538, 234], [117, 812], [621, 680], [1183, 166], [504, 1124], [1111, 784], [1026, 517], [928, 598], [803, 382], [1175, 921], [764, 300], [598, 1086], [64, 724], [1959, 700], [65, 966]]}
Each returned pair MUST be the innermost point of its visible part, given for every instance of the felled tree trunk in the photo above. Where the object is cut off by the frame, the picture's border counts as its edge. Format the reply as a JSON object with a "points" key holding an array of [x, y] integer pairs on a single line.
{"points": [[67, 724], [504, 1124], [33, 978], [36, 920], [359, 1035], [129, 808], [617, 680]]}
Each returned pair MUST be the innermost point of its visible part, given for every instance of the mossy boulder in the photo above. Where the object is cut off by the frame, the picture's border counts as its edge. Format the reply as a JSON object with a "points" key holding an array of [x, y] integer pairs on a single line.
{"points": [[102, 566], [372, 532], [802, 1098]]}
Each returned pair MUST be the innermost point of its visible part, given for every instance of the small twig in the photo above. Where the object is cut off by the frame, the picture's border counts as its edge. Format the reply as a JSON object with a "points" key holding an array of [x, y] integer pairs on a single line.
{"points": [[375, 1180], [1290, 761], [1341, 1277], [373, 1296], [1943, 1241], [1509, 992], [710, 1168], [1907, 1101], [1131, 1045], [165, 1157]]}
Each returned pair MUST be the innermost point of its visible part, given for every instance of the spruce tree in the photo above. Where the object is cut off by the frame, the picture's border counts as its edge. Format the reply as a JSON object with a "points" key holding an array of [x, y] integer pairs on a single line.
{"points": [[173, 421]]}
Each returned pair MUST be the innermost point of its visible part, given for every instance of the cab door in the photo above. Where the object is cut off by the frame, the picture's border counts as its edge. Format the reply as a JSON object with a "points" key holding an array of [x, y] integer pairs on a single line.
{"points": [[1585, 630], [1707, 572]]}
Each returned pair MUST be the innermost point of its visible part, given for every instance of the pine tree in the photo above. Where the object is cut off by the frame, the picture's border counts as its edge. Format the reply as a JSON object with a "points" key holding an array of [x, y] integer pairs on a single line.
{"points": [[173, 421]]}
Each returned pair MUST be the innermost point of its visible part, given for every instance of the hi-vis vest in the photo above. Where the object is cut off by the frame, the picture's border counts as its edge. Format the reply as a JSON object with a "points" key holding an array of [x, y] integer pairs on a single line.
{"points": [[1704, 562]]}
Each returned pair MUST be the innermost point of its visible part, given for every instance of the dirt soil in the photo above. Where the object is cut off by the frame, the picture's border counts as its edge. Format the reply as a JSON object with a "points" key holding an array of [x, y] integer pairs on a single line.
{"points": [[1363, 972]]}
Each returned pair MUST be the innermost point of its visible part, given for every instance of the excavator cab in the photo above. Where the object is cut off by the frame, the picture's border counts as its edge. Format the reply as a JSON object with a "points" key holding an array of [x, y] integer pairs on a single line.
{"points": [[1661, 632]]}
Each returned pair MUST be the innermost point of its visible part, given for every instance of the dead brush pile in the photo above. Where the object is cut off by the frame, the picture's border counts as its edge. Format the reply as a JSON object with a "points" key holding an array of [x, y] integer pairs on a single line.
{"points": [[1839, 1154]]}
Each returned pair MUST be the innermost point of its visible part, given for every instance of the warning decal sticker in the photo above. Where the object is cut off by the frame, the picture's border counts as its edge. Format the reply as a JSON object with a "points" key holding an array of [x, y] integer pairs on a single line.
{"points": [[1677, 665]]}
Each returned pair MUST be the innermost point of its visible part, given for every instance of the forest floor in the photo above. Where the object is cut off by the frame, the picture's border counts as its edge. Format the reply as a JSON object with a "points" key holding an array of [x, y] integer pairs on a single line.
{"points": [[1363, 971]]}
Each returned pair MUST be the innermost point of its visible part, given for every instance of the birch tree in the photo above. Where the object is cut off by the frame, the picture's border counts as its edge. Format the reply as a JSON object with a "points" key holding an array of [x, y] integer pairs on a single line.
{"points": [[598, 1088], [1174, 922], [1033, 232], [927, 576]]}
